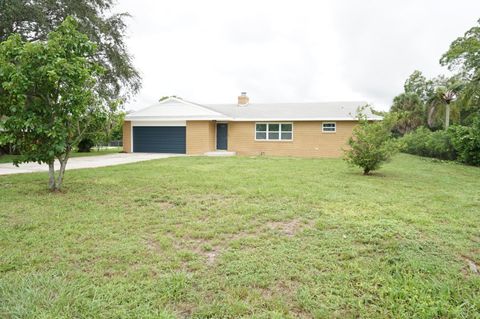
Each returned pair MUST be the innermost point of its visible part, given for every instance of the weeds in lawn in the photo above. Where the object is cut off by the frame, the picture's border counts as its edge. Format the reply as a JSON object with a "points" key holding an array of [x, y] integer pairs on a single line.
{"points": [[243, 237]]}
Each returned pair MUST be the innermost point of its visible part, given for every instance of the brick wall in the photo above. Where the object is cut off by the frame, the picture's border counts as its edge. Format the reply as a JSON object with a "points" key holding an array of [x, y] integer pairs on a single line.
{"points": [[308, 140]]}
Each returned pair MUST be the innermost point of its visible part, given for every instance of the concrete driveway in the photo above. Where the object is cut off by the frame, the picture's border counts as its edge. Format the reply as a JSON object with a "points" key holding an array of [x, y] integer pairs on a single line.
{"points": [[85, 162]]}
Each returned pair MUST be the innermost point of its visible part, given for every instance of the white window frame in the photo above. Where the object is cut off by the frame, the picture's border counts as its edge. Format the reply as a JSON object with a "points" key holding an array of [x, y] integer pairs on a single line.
{"points": [[335, 128], [267, 131]]}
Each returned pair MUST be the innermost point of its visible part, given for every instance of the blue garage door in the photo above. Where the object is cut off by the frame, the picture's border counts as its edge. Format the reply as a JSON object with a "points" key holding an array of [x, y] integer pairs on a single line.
{"points": [[159, 139]]}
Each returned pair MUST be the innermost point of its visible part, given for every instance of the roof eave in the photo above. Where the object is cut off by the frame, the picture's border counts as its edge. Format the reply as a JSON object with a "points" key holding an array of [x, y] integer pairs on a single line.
{"points": [[304, 119], [176, 118], [216, 118]]}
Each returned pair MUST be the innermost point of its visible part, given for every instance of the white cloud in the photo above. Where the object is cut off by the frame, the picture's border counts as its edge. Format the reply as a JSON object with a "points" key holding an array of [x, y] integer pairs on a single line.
{"points": [[209, 51]]}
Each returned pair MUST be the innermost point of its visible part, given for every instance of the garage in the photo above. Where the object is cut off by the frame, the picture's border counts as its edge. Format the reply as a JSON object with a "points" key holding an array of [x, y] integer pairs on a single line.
{"points": [[159, 139]]}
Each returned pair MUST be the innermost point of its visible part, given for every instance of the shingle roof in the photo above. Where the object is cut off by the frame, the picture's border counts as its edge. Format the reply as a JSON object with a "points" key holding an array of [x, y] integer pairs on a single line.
{"points": [[338, 111], [175, 109]]}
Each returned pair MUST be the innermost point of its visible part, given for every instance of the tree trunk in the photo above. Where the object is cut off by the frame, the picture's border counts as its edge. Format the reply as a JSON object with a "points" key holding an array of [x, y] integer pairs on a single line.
{"points": [[51, 176], [430, 116], [366, 171], [63, 165], [447, 115]]}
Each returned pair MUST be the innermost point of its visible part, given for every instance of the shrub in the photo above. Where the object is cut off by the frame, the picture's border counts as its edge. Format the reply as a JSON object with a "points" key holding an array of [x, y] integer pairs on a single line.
{"points": [[466, 140], [416, 142], [85, 145], [371, 144], [423, 142]]}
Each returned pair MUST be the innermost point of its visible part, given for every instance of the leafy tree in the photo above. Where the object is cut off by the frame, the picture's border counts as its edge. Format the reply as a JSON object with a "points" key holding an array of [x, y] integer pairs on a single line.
{"points": [[410, 110], [411, 105], [463, 56], [116, 126], [49, 96], [35, 19], [113, 128], [418, 84], [371, 144]]}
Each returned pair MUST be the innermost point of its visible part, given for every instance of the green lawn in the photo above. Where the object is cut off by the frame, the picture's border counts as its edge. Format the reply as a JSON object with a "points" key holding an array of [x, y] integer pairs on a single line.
{"points": [[94, 152], [243, 237]]}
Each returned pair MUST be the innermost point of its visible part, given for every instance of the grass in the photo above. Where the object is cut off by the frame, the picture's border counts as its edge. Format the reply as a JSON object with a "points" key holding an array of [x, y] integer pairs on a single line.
{"points": [[93, 152], [243, 237]]}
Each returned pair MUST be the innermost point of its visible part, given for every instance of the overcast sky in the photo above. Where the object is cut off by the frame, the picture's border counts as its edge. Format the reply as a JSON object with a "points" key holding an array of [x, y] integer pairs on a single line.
{"points": [[289, 51]]}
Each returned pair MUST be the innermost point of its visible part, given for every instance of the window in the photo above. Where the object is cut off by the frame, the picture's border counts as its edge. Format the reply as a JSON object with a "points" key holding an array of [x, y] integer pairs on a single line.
{"points": [[273, 131], [329, 127]]}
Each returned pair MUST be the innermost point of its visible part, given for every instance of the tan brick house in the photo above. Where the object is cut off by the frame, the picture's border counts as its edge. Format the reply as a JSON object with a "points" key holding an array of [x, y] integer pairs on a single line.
{"points": [[286, 129]]}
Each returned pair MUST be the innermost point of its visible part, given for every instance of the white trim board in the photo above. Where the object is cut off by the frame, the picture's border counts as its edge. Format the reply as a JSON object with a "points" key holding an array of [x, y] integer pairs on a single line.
{"points": [[244, 119], [159, 123]]}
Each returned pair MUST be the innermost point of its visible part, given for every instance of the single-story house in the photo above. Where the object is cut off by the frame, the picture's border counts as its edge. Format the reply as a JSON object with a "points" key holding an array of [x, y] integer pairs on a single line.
{"points": [[175, 125]]}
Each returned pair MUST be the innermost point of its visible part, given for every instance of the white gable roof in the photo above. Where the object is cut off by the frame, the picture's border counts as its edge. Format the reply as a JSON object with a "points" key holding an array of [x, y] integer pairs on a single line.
{"points": [[175, 109], [179, 109]]}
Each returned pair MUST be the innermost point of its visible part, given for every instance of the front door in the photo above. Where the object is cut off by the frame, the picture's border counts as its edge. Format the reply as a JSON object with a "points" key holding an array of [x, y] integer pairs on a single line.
{"points": [[222, 133]]}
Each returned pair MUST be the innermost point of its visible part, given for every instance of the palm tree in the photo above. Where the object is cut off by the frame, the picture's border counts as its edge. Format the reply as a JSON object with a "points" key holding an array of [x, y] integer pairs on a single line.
{"points": [[411, 112], [444, 95]]}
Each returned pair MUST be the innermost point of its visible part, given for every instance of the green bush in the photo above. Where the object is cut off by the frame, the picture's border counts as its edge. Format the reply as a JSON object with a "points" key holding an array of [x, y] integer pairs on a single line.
{"points": [[371, 144], [458, 142], [416, 142], [466, 140], [424, 142], [85, 145], [440, 145]]}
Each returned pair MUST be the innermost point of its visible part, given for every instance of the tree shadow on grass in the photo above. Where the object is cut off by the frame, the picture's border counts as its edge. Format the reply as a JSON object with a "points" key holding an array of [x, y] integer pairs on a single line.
{"points": [[371, 174]]}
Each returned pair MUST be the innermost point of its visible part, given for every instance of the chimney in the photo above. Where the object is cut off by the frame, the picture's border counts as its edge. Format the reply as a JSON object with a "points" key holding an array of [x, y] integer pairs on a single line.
{"points": [[243, 99]]}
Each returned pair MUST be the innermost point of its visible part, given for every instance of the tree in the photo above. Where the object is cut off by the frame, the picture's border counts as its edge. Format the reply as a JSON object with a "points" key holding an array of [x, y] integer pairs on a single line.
{"points": [[371, 144], [435, 97], [418, 84], [113, 128], [49, 96], [35, 19], [410, 110], [463, 56], [410, 106], [446, 92]]}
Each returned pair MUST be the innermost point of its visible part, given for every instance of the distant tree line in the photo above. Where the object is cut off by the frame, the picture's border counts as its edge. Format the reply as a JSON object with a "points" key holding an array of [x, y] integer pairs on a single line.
{"points": [[437, 117], [440, 117]]}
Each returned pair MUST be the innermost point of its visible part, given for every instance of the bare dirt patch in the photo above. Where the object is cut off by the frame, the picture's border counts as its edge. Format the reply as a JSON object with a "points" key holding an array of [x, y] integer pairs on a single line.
{"points": [[288, 228], [473, 267], [211, 256], [287, 290], [165, 205], [201, 247], [153, 245]]}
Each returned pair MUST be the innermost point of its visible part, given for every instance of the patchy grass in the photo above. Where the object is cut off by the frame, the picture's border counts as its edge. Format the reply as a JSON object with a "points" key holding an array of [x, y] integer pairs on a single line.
{"points": [[243, 237], [94, 152]]}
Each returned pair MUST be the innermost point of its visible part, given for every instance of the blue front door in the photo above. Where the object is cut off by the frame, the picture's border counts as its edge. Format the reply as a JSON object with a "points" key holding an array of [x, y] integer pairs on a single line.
{"points": [[222, 133]]}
